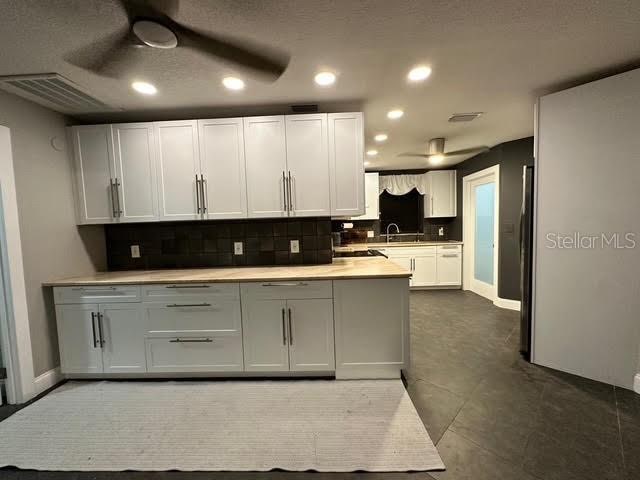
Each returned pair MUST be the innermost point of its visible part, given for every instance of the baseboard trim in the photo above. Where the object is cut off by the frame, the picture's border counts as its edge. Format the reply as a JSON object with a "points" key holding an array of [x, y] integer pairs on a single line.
{"points": [[636, 383], [507, 303], [46, 380]]}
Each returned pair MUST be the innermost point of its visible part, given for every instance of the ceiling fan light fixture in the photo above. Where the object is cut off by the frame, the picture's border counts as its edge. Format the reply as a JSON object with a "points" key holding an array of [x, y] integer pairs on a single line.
{"points": [[145, 88], [233, 83], [155, 34], [436, 159]]}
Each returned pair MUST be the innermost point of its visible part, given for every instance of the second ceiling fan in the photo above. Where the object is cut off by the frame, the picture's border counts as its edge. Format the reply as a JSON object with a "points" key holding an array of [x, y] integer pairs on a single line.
{"points": [[435, 151]]}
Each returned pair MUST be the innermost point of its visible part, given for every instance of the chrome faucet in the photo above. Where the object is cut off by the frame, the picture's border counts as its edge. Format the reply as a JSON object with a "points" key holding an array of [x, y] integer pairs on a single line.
{"points": [[389, 226]]}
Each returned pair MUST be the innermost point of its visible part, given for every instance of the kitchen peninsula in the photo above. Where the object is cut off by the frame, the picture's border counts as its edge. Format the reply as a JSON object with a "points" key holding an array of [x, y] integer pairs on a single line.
{"points": [[349, 318]]}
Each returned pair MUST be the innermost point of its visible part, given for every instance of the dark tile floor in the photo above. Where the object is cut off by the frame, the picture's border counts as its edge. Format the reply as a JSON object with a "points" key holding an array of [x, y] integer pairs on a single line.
{"points": [[492, 415]]}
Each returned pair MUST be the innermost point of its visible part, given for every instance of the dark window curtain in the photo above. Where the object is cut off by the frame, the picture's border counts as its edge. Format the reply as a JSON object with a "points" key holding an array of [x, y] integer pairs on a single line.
{"points": [[407, 211]]}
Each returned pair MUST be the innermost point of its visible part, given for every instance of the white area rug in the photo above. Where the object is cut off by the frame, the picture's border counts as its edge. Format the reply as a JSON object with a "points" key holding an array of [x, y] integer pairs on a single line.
{"points": [[324, 425]]}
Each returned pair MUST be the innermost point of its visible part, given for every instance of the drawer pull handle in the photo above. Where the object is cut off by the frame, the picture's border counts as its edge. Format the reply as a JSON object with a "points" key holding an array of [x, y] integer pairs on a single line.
{"points": [[449, 247], [285, 284], [449, 255], [190, 340], [97, 289], [188, 286], [178, 305]]}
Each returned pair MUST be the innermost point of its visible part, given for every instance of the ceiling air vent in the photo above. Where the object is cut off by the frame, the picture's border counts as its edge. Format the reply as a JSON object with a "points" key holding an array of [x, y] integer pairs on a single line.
{"points": [[54, 92], [309, 108], [464, 117]]}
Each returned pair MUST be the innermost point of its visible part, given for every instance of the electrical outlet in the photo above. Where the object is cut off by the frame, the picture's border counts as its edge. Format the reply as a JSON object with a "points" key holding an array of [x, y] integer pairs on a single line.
{"points": [[295, 246], [237, 248], [441, 232], [370, 233], [135, 251]]}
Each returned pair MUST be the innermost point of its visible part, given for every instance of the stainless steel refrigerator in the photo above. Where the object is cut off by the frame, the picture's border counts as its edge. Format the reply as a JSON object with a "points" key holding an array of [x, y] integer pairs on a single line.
{"points": [[526, 251]]}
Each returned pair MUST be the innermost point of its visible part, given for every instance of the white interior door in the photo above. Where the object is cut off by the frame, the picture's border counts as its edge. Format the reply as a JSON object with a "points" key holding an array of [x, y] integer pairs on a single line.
{"points": [[223, 167], [311, 345], [264, 332], [308, 165], [481, 221], [122, 331], [135, 171], [266, 161], [178, 169], [95, 171], [78, 336]]}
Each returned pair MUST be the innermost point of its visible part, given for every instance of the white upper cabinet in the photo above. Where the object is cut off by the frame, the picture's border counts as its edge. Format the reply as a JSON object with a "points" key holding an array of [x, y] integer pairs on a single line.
{"points": [[95, 173], [346, 164], [178, 170], [308, 165], [371, 198], [223, 168], [266, 161], [440, 199], [135, 163]]}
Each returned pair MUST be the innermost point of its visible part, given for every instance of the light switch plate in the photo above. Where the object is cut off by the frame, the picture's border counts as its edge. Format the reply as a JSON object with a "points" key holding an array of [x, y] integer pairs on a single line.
{"points": [[135, 251], [295, 246], [237, 248], [370, 233]]}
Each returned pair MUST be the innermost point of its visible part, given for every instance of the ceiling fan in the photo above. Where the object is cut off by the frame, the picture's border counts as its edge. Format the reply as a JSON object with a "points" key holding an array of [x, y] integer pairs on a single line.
{"points": [[436, 153], [151, 26]]}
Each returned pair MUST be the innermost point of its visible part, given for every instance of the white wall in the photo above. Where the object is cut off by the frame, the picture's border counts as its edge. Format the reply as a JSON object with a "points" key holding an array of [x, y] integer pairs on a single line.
{"points": [[52, 244], [587, 301]]}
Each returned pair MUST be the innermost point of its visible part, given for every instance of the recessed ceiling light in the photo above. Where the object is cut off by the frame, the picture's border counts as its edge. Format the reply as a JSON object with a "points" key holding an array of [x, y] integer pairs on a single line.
{"points": [[418, 74], [233, 83], [324, 79], [372, 152], [366, 164], [395, 114], [436, 159], [144, 88], [381, 137]]}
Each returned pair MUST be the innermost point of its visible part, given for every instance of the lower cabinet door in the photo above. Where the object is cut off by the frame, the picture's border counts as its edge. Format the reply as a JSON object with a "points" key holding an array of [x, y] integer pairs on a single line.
{"points": [[80, 350], [405, 262], [424, 271], [449, 268], [310, 325], [264, 331], [194, 354], [121, 329]]}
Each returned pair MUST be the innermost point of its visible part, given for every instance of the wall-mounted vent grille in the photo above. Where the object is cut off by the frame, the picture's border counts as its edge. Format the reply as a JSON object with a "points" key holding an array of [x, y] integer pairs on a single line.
{"points": [[464, 117], [309, 108], [54, 92]]}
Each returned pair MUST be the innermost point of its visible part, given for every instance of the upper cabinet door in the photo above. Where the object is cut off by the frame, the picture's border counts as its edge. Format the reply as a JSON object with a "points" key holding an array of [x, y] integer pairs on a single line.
{"points": [[266, 160], [440, 200], [223, 168], [346, 164], [95, 172], [135, 172], [178, 168], [371, 197], [308, 165]]}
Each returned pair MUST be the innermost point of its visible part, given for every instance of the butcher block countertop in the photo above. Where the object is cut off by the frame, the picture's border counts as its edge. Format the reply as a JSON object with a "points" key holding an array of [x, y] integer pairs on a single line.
{"points": [[340, 269]]}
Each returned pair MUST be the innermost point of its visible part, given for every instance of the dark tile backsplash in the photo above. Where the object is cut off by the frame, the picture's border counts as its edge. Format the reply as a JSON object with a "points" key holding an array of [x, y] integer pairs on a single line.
{"points": [[430, 232], [210, 244]]}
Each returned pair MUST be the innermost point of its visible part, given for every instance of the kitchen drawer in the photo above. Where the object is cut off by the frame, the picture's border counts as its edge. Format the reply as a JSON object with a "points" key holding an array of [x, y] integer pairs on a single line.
{"points": [[449, 248], [97, 294], [288, 289], [410, 251], [194, 354], [209, 316], [181, 292]]}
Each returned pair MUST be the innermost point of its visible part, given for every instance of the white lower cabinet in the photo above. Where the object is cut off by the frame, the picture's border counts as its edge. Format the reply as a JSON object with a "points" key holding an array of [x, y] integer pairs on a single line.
{"points": [[431, 266], [424, 270], [265, 335], [311, 345], [121, 330], [194, 354], [77, 339]]}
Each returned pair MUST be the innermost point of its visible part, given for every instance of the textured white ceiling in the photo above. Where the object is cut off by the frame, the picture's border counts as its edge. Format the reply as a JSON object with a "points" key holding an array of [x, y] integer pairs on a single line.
{"points": [[492, 56]]}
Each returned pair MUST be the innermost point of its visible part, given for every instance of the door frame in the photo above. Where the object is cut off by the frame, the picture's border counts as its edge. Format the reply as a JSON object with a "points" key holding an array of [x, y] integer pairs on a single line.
{"points": [[468, 231]]}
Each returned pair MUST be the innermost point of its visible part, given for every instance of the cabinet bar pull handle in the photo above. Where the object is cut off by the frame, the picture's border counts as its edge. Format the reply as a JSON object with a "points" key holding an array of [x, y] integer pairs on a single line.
{"points": [[198, 195], [191, 340], [284, 192], [178, 305], [93, 289], [113, 199], [290, 329], [188, 286], [93, 329], [285, 284], [291, 206], [102, 342], [449, 255], [284, 329], [117, 184], [203, 191]]}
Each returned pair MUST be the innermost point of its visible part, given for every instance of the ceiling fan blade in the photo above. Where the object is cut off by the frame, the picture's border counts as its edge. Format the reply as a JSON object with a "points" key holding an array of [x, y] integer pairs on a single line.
{"points": [[408, 154], [467, 151], [265, 63], [110, 56]]}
